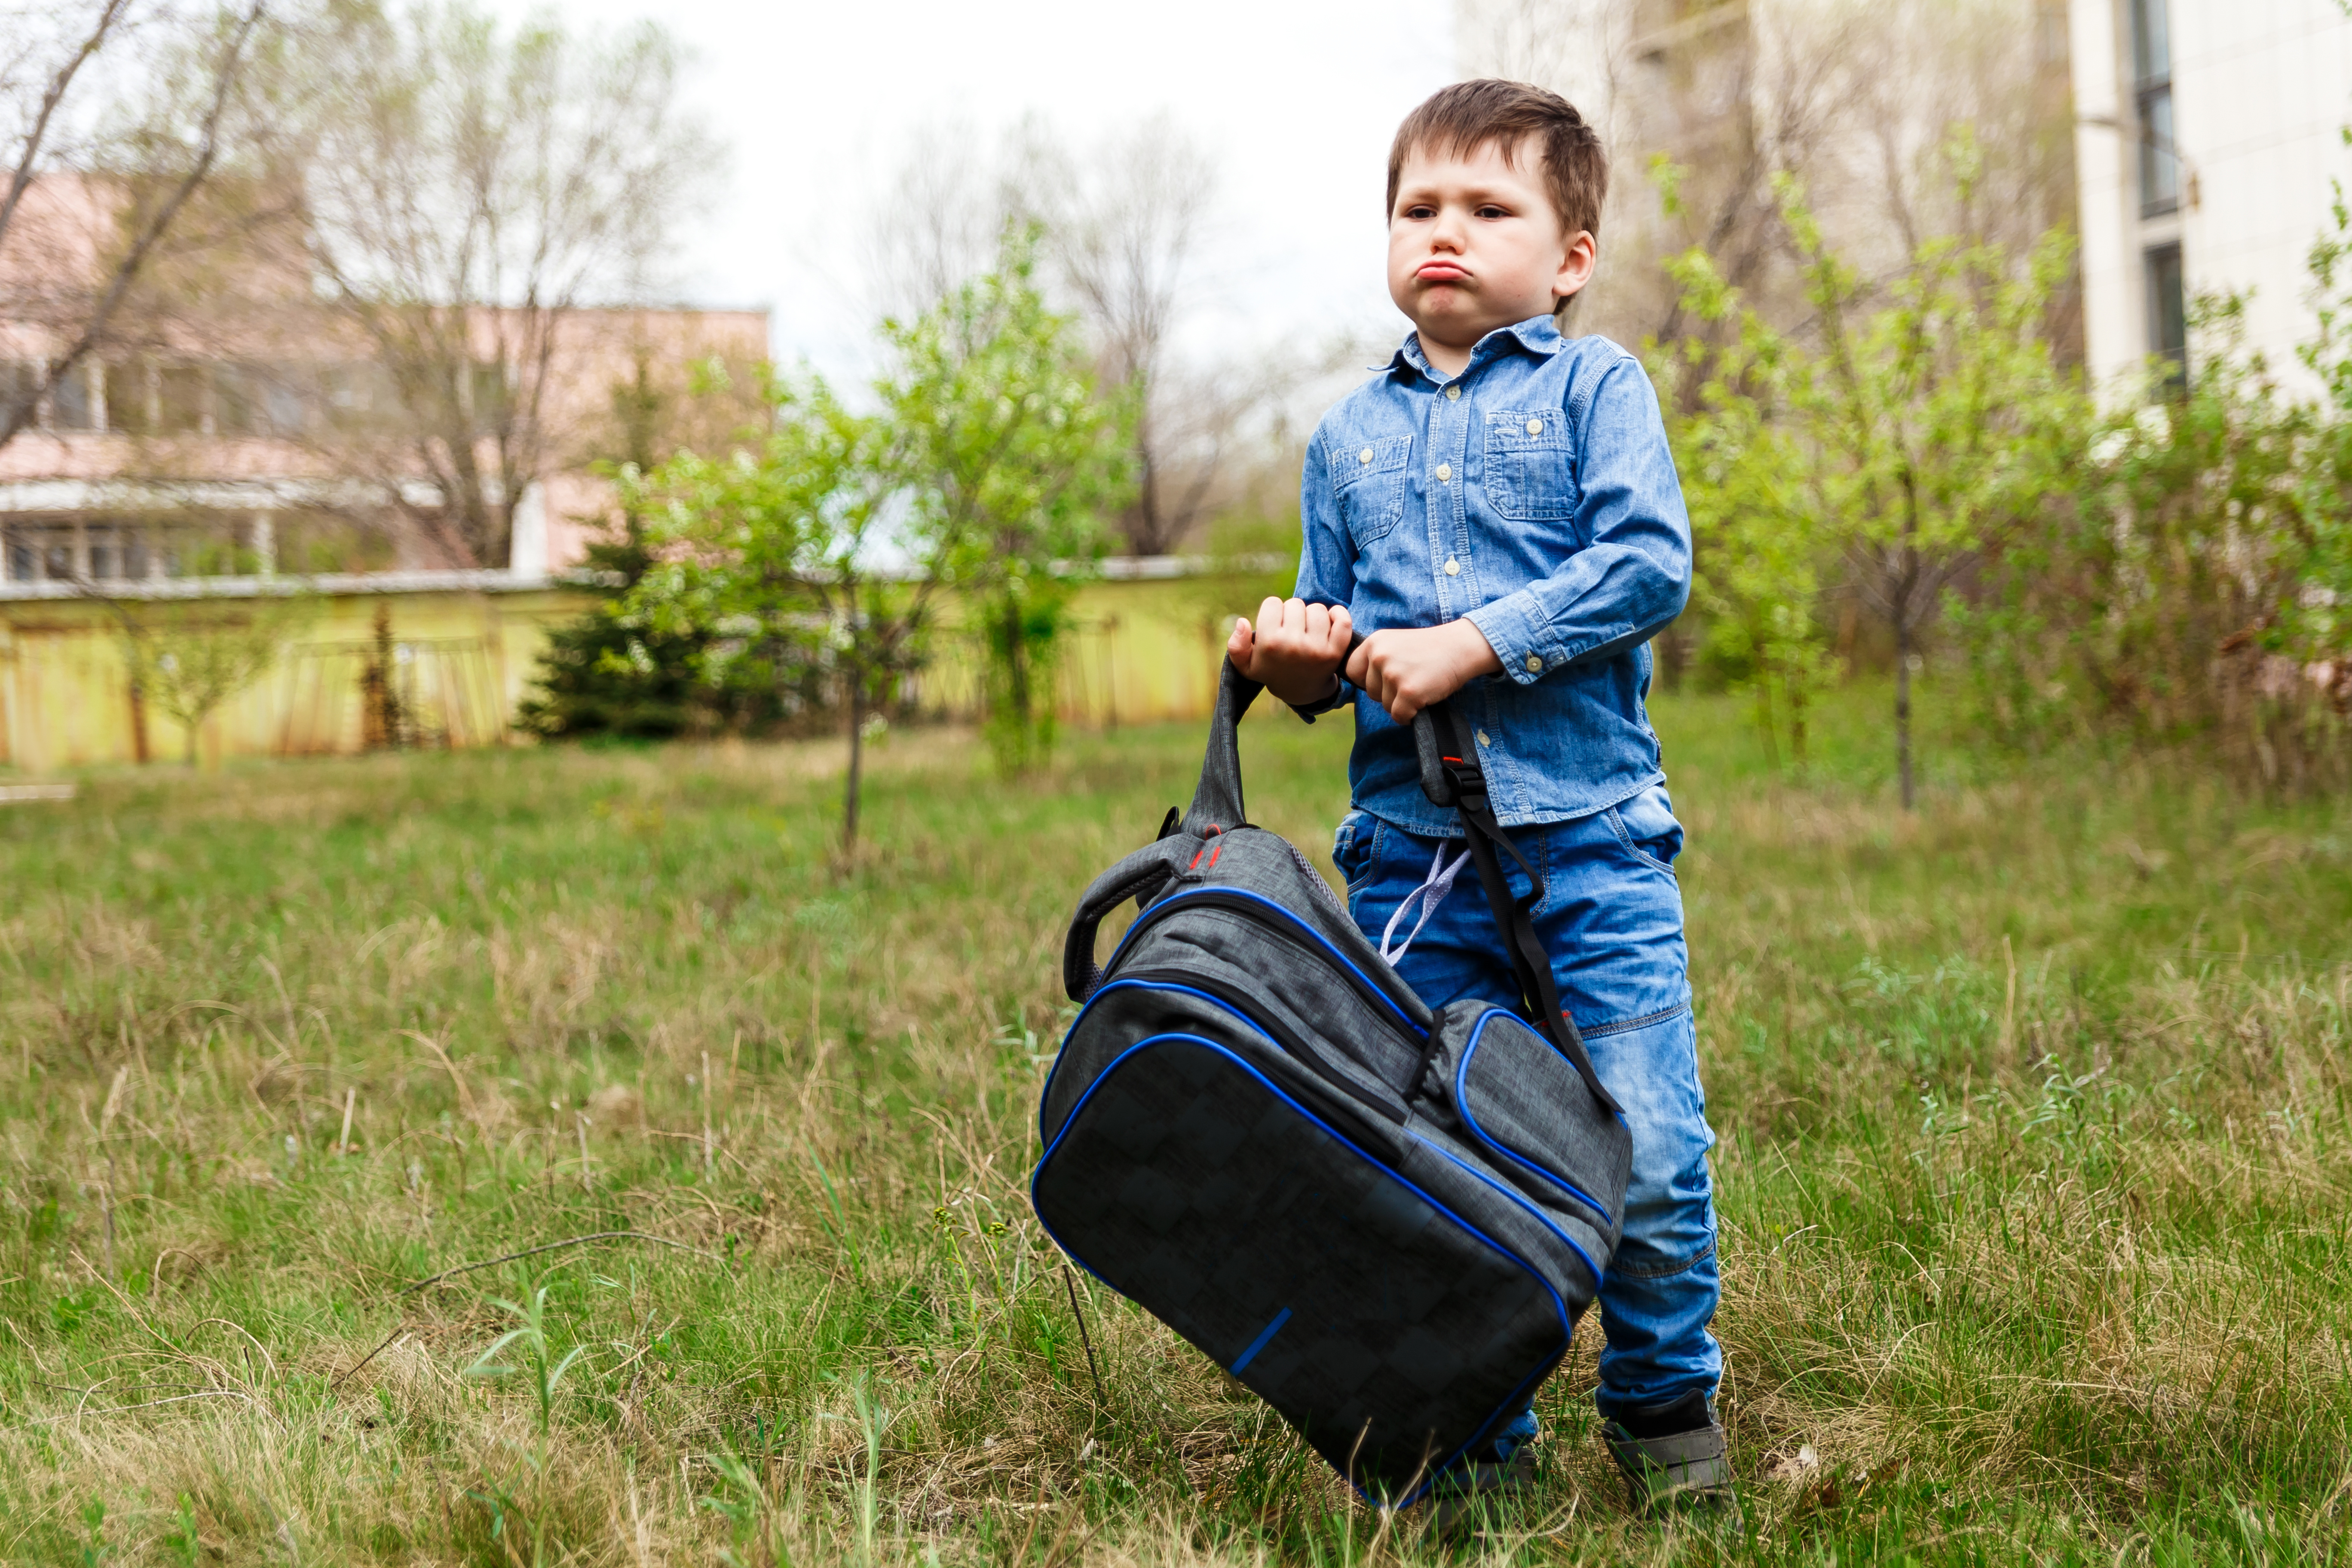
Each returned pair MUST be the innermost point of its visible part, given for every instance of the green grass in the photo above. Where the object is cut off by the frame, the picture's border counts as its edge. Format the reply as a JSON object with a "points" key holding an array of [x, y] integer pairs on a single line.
{"points": [[2034, 1170]]}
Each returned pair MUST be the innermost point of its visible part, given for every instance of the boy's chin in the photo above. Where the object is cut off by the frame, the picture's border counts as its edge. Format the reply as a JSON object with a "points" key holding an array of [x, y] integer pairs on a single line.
{"points": [[1463, 321]]}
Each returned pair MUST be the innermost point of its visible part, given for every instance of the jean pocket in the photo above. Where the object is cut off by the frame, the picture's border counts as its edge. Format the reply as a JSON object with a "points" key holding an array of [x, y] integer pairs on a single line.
{"points": [[1355, 849], [1367, 484], [1530, 464], [1646, 825]]}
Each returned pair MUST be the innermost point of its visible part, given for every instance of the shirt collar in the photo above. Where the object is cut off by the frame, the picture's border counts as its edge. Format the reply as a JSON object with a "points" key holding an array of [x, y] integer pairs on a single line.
{"points": [[1538, 335]]}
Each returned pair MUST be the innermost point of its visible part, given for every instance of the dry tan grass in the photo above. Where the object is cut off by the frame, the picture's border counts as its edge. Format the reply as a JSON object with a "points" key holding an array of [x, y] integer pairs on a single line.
{"points": [[2033, 1169]]}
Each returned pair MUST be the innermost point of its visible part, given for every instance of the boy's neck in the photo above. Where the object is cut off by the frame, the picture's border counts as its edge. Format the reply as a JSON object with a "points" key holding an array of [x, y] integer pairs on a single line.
{"points": [[1451, 359]]}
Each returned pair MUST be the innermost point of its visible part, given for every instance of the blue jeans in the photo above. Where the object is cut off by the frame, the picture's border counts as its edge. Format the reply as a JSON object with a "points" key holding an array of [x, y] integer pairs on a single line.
{"points": [[1611, 920]]}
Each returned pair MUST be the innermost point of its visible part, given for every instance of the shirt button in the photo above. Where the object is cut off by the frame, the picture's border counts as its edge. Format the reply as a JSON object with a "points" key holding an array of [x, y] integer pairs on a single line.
{"points": [[1535, 665], [1445, 472], [1365, 456], [1453, 394], [1481, 739], [1534, 427], [1453, 567]]}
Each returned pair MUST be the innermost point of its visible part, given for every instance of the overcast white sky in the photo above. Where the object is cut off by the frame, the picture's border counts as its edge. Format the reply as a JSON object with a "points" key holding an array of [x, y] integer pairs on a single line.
{"points": [[1297, 98]]}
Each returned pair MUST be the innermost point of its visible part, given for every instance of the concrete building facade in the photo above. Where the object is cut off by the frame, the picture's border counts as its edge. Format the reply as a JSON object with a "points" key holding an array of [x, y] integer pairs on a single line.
{"points": [[2207, 134]]}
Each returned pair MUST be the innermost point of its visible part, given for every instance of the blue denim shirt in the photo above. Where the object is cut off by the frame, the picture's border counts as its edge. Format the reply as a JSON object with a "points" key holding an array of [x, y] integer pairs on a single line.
{"points": [[1534, 494]]}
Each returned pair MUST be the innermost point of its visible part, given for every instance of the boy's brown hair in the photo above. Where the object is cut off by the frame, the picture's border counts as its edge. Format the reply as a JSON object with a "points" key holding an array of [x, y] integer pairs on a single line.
{"points": [[1461, 119]]}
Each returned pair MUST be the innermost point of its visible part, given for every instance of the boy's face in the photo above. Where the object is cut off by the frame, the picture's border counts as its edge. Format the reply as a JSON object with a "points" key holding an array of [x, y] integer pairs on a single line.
{"points": [[1474, 244]]}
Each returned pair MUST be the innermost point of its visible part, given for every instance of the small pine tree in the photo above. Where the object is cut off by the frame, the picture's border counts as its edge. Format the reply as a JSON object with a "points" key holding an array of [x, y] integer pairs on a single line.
{"points": [[598, 675]]}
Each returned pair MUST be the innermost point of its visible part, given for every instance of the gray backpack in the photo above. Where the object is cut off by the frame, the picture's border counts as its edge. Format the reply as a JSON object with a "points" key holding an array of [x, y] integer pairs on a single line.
{"points": [[1383, 1221]]}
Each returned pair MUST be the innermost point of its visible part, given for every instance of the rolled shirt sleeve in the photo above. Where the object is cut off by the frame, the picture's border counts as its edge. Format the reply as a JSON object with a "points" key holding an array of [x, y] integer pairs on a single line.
{"points": [[1632, 575], [1327, 573]]}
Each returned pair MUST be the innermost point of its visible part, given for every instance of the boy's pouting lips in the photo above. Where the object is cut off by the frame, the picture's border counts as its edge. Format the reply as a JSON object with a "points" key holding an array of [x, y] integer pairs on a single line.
{"points": [[1475, 244]]}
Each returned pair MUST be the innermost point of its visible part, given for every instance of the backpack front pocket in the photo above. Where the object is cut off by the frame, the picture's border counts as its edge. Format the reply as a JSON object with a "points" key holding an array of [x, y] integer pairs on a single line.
{"points": [[1392, 1329], [1521, 1099]]}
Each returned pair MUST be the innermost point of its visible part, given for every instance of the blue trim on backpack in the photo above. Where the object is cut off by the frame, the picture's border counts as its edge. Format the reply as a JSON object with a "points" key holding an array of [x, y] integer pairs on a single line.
{"points": [[1462, 1104], [1100, 992], [1540, 1217], [1164, 905], [1258, 1343], [1567, 1323]]}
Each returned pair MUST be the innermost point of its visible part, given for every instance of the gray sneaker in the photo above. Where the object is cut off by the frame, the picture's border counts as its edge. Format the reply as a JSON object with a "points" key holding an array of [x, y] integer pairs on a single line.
{"points": [[1473, 1495], [1676, 1459]]}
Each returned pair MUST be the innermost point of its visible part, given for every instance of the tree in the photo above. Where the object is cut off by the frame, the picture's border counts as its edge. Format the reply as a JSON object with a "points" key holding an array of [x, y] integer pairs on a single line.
{"points": [[600, 675], [1855, 97], [81, 223], [779, 544], [469, 191], [187, 656], [1760, 533], [1942, 415], [1915, 425], [1123, 228], [1012, 460], [1120, 230]]}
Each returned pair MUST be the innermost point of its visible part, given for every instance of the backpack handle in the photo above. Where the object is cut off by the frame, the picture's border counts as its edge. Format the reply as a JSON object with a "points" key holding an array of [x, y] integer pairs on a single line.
{"points": [[1217, 801], [1139, 877]]}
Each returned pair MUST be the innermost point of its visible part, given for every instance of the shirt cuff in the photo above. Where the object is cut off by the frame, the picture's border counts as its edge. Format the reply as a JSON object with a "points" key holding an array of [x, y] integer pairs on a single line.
{"points": [[1514, 632], [1342, 695]]}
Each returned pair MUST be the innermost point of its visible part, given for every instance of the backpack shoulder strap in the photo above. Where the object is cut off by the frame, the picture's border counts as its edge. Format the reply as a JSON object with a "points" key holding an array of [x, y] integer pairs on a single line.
{"points": [[1449, 755]]}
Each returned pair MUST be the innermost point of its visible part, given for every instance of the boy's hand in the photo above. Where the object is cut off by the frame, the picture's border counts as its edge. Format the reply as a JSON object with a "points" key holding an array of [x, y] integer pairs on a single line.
{"points": [[1406, 670], [1295, 651]]}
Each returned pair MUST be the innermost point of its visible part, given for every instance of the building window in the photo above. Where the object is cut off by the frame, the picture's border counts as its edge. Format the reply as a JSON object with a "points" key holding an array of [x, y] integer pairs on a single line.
{"points": [[2167, 313], [2159, 148], [18, 379], [179, 399], [70, 405], [127, 410]]}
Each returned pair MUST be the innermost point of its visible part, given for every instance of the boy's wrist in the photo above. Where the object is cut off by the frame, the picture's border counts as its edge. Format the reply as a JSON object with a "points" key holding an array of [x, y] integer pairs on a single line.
{"points": [[1305, 689]]}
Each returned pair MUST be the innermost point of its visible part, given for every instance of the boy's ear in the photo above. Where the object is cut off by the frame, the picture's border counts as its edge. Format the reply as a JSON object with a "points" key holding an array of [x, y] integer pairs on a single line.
{"points": [[1576, 268]]}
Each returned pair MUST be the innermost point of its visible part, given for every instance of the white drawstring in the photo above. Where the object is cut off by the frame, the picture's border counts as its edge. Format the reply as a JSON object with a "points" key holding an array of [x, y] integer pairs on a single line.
{"points": [[1440, 883]]}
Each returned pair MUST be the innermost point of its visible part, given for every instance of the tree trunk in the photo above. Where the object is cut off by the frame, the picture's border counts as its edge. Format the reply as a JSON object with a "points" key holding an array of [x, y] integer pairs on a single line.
{"points": [[856, 764], [1794, 690], [1902, 704], [138, 749], [1905, 582], [1016, 678]]}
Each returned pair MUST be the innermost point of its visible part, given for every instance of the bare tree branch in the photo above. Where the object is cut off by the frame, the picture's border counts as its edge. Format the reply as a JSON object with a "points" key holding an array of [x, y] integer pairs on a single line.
{"points": [[230, 65], [36, 136]]}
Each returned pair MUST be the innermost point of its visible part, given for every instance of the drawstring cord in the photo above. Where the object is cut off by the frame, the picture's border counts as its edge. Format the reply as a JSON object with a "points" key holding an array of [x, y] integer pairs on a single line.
{"points": [[1431, 893]]}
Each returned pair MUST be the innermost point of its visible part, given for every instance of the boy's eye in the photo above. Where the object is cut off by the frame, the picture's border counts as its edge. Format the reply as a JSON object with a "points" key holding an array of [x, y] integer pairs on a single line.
{"points": [[1490, 210]]}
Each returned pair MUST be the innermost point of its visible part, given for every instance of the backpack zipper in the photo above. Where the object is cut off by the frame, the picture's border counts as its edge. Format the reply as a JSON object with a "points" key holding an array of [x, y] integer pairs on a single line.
{"points": [[1470, 1120], [1292, 1044], [1255, 906]]}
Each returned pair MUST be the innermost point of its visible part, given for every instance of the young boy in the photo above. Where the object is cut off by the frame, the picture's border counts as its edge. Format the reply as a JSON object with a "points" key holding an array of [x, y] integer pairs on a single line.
{"points": [[1497, 509]]}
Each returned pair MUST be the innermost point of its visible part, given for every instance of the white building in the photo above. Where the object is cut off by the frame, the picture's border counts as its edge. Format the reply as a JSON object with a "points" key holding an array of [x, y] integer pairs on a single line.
{"points": [[2207, 136]]}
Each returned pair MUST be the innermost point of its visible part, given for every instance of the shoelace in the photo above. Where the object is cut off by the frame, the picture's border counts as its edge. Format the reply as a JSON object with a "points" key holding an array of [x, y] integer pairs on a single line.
{"points": [[1431, 894]]}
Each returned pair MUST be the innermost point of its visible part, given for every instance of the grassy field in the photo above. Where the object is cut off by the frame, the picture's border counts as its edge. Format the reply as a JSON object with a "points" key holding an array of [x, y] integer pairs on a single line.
{"points": [[2034, 1169]]}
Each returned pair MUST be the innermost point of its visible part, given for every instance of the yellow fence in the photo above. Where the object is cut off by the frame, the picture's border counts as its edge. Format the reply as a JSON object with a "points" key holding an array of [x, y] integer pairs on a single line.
{"points": [[461, 660]]}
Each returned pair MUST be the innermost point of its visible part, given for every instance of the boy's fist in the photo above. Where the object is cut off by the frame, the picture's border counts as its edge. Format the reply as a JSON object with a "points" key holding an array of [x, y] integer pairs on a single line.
{"points": [[1295, 651], [1407, 669]]}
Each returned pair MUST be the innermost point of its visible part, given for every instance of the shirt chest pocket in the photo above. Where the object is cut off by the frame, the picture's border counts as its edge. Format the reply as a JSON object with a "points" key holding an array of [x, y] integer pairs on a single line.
{"points": [[1530, 467], [1368, 482]]}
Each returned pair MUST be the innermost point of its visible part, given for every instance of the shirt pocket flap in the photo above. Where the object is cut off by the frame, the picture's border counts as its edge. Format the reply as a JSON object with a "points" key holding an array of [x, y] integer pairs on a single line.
{"points": [[1530, 464], [1352, 465]]}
